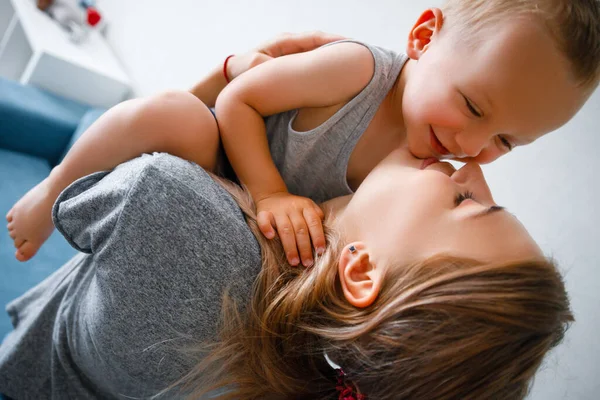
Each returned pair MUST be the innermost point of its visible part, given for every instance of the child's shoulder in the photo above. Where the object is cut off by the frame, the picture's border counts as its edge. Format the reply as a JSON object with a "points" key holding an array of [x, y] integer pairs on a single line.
{"points": [[359, 51], [350, 49]]}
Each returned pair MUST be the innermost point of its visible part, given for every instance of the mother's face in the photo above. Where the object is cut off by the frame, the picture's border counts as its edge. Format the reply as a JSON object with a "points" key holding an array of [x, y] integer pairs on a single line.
{"points": [[406, 211]]}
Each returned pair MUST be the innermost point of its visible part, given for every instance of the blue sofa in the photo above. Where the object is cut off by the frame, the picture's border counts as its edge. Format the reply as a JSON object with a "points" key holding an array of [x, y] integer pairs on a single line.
{"points": [[36, 130]]}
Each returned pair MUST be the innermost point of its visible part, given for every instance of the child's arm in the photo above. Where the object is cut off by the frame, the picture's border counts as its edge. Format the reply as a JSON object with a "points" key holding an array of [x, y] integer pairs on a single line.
{"points": [[146, 125], [325, 77], [212, 84]]}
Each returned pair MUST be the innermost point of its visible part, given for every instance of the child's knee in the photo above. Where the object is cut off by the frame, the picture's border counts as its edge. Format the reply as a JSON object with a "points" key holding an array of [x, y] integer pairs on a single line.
{"points": [[179, 111], [187, 122]]}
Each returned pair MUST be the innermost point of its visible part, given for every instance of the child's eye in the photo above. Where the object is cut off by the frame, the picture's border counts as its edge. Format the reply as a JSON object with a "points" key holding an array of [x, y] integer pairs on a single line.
{"points": [[506, 143], [460, 197], [472, 108]]}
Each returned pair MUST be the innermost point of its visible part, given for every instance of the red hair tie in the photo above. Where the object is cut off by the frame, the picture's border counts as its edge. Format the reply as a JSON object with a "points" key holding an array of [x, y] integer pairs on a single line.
{"points": [[345, 389]]}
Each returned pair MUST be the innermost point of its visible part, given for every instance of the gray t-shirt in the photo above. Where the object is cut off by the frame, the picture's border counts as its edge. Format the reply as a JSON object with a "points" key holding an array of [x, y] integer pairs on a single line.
{"points": [[314, 163], [162, 242]]}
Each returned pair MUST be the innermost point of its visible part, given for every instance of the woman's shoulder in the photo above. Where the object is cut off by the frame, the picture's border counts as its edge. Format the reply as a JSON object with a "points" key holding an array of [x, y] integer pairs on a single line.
{"points": [[167, 241], [151, 187]]}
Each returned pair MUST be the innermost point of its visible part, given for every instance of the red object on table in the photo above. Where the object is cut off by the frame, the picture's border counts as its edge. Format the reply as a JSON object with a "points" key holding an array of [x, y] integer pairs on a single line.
{"points": [[93, 16]]}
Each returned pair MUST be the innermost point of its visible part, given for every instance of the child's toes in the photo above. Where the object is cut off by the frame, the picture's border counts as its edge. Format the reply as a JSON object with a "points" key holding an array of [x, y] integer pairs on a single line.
{"points": [[9, 216], [18, 242], [12, 233], [26, 251], [19, 256]]}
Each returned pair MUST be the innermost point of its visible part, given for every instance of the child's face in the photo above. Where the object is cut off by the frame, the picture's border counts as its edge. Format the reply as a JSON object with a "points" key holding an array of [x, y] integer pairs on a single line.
{"points": [[478, 100]]}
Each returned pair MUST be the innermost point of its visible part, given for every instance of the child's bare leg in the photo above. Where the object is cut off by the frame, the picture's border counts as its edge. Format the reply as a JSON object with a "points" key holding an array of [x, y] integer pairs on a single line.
{"points": [[174, 122]]}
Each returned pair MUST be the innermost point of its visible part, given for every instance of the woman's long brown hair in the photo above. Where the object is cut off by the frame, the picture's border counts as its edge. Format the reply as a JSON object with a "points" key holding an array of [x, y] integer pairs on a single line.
{"points": [[445, 328]]}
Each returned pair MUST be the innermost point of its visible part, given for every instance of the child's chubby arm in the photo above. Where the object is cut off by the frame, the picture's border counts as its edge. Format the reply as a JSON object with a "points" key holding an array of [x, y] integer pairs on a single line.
{"points": [[209, 87], [328, 76]]}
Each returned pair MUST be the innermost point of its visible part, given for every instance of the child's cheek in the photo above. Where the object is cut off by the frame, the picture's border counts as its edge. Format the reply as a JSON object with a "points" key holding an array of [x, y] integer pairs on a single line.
{"points": [[443, 109]]}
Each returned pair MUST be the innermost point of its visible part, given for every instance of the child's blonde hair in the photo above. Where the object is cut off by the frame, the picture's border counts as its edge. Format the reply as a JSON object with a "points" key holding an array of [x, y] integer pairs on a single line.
{"points": [[445, 328], [574, 25]]}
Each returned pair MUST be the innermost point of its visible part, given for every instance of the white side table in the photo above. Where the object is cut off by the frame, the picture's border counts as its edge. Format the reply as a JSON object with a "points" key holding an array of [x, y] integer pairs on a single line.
{"points": [[35, 50]]}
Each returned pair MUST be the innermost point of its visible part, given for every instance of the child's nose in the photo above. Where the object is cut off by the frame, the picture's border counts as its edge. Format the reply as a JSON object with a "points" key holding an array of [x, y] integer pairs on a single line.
{"points": [[472, 143]]}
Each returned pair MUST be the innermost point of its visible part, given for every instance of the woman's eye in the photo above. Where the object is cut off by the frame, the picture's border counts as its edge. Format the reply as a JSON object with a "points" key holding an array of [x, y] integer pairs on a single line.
{"points": [[472, 108], [460, 197], [506, 143]]}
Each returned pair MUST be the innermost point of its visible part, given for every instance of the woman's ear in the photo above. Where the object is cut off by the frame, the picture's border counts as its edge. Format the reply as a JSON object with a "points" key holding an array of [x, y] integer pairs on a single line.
{"points": [[360, 278], [428, 25]]}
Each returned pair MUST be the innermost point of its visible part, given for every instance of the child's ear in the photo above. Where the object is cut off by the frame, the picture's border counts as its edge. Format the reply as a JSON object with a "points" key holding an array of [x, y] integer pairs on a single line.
{"points": [[360, 278], [428, 24]]}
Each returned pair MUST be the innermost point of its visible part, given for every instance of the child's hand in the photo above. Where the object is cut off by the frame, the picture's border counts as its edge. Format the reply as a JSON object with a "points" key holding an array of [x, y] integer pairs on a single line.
{"points": [[298, 221]]}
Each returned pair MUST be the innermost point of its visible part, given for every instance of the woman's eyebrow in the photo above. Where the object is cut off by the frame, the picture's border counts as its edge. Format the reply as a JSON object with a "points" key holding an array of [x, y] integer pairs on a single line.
{"points": [[489, 211]]}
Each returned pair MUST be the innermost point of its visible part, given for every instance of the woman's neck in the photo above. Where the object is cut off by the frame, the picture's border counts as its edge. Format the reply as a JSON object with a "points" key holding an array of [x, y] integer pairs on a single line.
{"points": [[335, 207]]}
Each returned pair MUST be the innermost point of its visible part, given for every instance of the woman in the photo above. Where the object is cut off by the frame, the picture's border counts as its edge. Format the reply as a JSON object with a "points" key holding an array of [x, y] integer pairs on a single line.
{"points": [[428, 290], [417, 296]]}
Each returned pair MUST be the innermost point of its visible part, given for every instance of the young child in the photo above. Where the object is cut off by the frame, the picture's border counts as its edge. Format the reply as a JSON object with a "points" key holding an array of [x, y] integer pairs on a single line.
{"points": [[478, 79]]}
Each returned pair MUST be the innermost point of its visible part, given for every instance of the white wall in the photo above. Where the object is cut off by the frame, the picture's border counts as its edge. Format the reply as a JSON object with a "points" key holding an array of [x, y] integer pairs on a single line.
{"points": [[551, 186]]}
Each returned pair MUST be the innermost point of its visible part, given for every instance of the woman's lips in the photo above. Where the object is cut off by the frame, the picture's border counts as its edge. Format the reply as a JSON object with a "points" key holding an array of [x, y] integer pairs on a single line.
{"points": [[428, 161], [437, 165], [438, 147]]}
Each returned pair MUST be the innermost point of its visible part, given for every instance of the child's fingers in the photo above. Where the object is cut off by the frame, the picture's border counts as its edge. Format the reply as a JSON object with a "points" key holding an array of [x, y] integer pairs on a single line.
{"points": [[319, 212], [265, 222], [288, 238], [315, 228], [302, 238]]}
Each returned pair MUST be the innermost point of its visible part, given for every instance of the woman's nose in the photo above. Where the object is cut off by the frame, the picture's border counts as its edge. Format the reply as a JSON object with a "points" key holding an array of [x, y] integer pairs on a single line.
{"points": [[470, 176], [467, 173]]}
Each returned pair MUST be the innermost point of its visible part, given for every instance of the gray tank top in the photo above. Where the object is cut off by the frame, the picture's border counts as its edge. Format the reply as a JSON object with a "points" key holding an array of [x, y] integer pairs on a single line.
{"points": [[313, 163]]}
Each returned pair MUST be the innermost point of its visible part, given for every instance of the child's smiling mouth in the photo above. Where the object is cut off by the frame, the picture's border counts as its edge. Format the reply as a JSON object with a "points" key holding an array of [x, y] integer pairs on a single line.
{"points": [[437, 146]]}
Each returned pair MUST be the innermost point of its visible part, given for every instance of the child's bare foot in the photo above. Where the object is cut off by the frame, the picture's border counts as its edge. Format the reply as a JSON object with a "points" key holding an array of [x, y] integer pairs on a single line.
{"points": [[30, 220]]}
